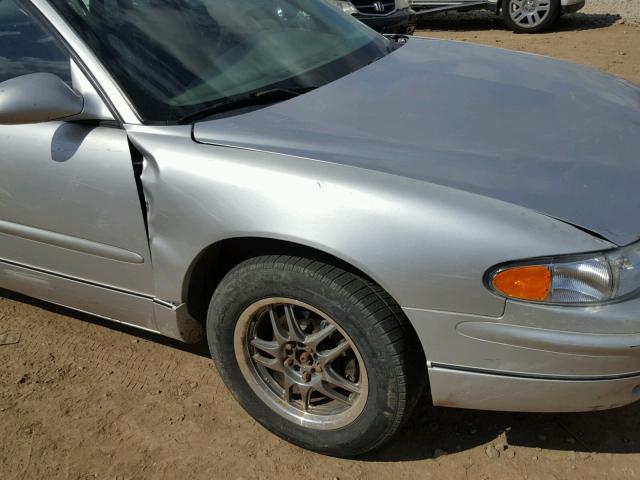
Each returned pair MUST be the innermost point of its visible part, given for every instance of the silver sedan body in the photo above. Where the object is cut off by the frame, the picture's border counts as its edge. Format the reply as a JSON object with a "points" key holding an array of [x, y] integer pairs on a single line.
{"points": [[422, 170]]}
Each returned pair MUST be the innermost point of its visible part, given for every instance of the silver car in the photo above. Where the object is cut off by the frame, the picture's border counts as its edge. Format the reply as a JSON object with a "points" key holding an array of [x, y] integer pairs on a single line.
{"points": [[347, 218]]}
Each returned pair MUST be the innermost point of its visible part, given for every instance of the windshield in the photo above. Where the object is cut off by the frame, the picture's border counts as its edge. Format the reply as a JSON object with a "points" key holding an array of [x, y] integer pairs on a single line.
{"points": [[177, 57]]}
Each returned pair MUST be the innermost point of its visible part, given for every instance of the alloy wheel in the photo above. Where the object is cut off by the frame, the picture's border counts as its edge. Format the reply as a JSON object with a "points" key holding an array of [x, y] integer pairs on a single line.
{"points": [[301, 363], [529, 13]]}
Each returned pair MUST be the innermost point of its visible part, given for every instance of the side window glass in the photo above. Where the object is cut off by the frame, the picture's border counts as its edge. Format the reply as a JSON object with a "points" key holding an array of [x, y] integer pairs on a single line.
{"points": [[26, 46]]}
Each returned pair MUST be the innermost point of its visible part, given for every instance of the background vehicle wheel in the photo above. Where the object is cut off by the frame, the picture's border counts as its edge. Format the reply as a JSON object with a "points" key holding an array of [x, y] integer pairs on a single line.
{"points": [[530, 16], [318, 355]]}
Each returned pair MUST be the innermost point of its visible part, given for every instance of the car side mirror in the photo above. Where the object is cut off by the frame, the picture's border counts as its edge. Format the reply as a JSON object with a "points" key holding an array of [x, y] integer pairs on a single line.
{"points": [[37, 97]]}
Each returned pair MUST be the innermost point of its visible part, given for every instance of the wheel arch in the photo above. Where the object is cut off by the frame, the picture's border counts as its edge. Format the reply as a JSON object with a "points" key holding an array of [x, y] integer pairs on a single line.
{"points": [[214, 261]]}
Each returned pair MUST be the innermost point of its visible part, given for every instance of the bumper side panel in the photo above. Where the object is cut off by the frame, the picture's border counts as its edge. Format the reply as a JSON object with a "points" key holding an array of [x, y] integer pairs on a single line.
{"points": [[536, 358], [528, 339], [482, 391], [576, 343]]}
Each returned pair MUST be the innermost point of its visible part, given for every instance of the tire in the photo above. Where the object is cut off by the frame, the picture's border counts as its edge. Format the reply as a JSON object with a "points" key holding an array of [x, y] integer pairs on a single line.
{"points": [[383, 365], [544, 13]]}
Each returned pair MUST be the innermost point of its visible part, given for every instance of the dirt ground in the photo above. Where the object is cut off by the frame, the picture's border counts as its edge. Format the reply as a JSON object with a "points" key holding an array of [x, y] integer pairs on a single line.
{"points": [[81, 398], [602, 41]]}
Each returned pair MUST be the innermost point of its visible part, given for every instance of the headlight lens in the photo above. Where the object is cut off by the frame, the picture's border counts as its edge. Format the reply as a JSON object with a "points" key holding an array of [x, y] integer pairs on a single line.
{"points": [[345, 6], [583, 279]]}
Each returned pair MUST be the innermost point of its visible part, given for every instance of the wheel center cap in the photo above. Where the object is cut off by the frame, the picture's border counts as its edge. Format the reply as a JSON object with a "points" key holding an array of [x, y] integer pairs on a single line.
{"points": [[530, 6]]}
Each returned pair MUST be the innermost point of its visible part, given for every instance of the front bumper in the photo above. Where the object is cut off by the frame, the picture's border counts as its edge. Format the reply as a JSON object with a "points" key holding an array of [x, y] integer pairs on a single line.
{"points": [[534, 357], [401, 21]]}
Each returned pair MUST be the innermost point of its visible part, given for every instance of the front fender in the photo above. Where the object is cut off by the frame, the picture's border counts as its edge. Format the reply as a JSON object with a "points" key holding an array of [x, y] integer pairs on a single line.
{"points": [[427, 245]]}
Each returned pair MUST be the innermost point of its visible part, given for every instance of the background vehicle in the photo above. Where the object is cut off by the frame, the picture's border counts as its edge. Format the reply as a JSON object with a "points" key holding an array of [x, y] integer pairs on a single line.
{"points": [[523, 16], [385, 16]]}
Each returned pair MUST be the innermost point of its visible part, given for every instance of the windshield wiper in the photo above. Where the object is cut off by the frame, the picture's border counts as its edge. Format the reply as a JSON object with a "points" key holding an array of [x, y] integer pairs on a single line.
{"points": [[258, 97]]}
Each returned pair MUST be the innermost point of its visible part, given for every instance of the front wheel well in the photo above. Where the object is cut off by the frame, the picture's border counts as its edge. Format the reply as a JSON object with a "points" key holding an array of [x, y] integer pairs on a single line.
{"points": [[218, 259], [214, 262]]}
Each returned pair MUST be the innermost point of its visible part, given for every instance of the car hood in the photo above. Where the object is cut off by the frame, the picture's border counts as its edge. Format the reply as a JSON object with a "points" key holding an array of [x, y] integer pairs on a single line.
{"points": [[547, 135]]}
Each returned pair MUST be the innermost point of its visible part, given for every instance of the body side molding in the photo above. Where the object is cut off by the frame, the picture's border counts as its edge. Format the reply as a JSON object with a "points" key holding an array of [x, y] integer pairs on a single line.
{"points": [[70, 243]]}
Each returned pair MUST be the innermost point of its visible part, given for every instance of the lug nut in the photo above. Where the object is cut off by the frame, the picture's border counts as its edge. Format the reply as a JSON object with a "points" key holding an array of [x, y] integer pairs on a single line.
{"points": [[306, 376], [306, 358], [288, 362]]}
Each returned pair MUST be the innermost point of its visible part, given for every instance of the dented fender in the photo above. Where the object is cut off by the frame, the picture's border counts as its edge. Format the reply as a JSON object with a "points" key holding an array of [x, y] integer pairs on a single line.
{"points": [[426, 244]]}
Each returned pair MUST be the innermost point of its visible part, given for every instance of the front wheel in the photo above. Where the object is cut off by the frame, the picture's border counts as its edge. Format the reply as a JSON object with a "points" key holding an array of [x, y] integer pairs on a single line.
{"points": [[319, 356], [530, 16]]}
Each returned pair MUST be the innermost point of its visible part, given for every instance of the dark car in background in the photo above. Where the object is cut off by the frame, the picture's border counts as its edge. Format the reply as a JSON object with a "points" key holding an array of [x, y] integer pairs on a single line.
{"points": [[386, 16], [521, 16]]}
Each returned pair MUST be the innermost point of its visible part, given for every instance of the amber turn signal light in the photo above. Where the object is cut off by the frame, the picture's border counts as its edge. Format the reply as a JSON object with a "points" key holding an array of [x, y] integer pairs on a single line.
{"points": [[528, 283]]}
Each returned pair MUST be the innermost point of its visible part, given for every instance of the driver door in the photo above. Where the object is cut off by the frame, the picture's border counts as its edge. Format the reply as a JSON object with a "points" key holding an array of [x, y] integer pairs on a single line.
{"points": [[72, 227]]}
